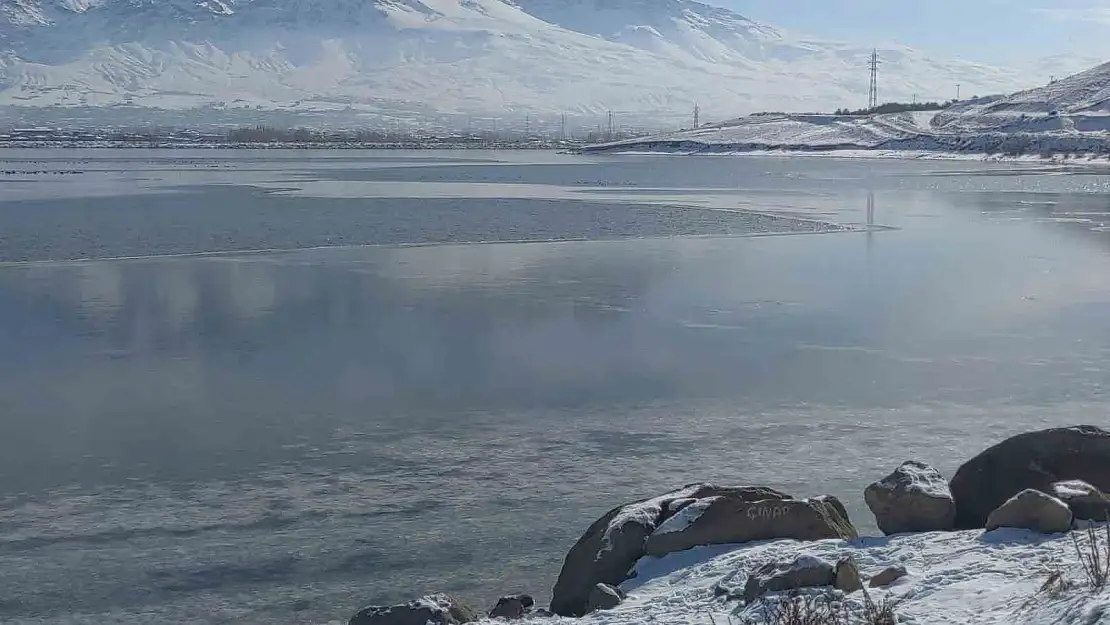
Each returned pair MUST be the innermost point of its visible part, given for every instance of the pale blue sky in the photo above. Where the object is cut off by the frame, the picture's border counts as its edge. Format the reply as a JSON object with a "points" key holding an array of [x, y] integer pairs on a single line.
{"points": [[983, 30]]}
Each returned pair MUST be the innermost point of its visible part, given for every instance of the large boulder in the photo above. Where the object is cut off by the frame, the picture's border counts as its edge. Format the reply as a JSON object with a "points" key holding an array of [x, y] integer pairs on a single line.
{"points": [[613, 543], [803, 572], [1033, 460], [1033, 510], [1087, 503], [438, 609], [726, 520], [847, 578], [914, 498]]}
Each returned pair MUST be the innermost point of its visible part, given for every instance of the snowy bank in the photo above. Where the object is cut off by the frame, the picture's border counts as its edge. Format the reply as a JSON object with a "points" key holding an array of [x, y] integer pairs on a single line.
{"points": [[954, 577], [889, 135], [1069, 116]]}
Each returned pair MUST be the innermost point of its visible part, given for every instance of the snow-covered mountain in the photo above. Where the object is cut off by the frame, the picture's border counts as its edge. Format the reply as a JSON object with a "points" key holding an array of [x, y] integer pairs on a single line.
{"points": [[648, 59]]}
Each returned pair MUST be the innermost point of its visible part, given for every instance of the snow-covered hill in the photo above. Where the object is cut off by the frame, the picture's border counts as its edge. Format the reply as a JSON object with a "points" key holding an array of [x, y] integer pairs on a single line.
{"points": [[1079, 103], [1068, 116], [646, 59]]}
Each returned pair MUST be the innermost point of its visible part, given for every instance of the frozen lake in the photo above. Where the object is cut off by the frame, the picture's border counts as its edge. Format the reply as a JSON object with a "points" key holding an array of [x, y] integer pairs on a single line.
{"points": [[274, 386]]}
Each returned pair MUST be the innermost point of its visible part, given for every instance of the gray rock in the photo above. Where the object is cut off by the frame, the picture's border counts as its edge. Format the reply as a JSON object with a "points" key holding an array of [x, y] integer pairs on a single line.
{"points": [[512, 607], [914, 498], [613, 543], [441, 609], [1034, 460], [604, 597], [803, 572], [728, 520], [887, 576], [1087, 503], [847, 578], [1033, 510], [829, 500]]}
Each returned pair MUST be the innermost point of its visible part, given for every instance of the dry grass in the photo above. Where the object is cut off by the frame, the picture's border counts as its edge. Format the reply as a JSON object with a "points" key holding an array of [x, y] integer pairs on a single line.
{"points": [[823, 609], [1094, 556], [1055, 585], [881, 612], [799, 609]]}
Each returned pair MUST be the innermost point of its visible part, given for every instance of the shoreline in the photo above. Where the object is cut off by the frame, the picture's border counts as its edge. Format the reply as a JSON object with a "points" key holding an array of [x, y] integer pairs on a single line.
{"points": [[868, 154], [1019, 534]]}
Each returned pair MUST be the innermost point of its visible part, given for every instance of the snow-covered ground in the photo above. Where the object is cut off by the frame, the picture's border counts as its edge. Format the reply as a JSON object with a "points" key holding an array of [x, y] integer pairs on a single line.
{"points": [[958, 577]]}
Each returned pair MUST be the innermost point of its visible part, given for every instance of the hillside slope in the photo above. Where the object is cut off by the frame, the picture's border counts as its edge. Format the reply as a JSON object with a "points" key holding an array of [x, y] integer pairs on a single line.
{"points": [[1069, 116]]}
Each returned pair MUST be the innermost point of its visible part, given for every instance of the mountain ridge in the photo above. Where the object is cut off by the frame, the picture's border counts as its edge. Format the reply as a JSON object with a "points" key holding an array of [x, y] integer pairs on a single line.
{"points": [[650, 59]]}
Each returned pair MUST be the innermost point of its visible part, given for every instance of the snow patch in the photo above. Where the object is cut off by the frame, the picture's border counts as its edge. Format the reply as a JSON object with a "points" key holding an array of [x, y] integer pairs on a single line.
{"points": [[645, 513], [1071, 489], [686, 517]]}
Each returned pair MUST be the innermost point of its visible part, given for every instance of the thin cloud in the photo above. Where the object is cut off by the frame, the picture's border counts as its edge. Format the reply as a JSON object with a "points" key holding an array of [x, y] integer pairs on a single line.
{"points": [[1099, 15]]}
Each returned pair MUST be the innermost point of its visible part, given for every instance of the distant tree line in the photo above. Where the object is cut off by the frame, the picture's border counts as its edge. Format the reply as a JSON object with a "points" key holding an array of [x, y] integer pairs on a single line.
{"points": [[897, 107]]}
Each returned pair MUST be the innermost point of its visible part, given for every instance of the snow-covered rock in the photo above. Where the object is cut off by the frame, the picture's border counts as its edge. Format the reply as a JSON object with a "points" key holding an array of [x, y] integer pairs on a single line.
{"points": [[887, 576], [512, 607], [914, 498], [802, 572], [1087, 503], [611, 545], [1033, 510], [728, 520], [646, 59], [1034, 460], [439, 609]]}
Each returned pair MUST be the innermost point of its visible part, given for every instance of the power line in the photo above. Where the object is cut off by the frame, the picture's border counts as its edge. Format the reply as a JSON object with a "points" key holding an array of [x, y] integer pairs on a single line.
{"points": [[697, 116], [873, 89]]}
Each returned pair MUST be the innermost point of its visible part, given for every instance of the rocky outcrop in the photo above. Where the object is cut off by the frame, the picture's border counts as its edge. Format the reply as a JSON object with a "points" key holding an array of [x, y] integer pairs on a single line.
{"points": [[512, 607], [887, 576], [914, 498], [604, 597], [439, 609], [613, 543], [847, 578], [726, 520], [803, 572], [1087, 503], [1034, 460], [1033, 510]]}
